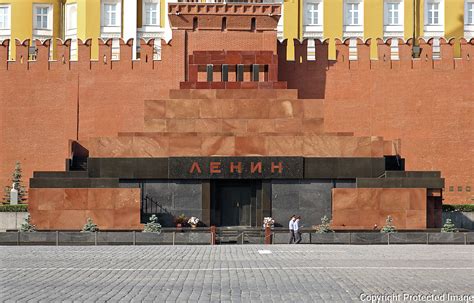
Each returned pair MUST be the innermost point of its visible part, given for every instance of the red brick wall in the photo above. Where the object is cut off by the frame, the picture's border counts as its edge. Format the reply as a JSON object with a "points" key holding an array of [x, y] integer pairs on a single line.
{"points": [[428, 104]]}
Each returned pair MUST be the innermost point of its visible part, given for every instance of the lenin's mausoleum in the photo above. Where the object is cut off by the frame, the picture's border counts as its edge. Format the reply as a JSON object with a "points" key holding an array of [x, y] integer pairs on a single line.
{"points": [[223, 126]]}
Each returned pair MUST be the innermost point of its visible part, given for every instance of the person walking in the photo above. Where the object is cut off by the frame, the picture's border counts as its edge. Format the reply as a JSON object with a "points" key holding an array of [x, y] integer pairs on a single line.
{"points": [[291, 228], [296, 230]]}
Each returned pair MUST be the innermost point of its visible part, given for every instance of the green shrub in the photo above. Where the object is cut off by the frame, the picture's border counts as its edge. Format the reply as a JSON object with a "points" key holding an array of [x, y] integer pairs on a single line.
{"points": [[460, 207], [152, 226], [14, 208], [449, 227], [389, 227], [26, 226], [90, 226], [325, 226]]}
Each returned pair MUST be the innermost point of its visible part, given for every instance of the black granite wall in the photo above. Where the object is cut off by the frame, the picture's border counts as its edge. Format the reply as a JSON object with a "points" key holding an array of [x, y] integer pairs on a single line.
{"points": [[310, 199], [175, 197]]}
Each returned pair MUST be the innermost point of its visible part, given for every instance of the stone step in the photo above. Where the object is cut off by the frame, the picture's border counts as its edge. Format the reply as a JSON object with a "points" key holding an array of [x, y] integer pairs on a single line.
{"points": [[268, 145], [234, 94], [233, 109], [236, 126]]}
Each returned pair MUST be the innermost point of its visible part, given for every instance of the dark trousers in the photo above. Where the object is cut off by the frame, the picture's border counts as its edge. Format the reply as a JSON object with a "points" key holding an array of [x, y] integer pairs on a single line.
{"points": [[292, 237], [297, 236]]}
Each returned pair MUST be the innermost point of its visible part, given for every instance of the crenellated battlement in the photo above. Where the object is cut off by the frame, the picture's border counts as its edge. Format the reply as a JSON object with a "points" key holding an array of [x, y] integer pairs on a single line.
{"points": [[46, 59], [389, 55]]}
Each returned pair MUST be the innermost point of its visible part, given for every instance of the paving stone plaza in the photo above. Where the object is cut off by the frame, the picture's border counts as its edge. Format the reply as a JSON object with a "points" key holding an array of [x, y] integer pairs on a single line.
{"points": [[235, 273]]}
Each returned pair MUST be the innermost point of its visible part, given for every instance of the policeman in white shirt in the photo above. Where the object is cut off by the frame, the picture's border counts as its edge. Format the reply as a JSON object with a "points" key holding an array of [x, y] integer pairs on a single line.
{"points": [[292, 229], [296, 230]]}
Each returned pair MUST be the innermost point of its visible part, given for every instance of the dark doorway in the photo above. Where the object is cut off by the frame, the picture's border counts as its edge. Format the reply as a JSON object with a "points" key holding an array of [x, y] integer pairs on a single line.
{"points": [[234, 203]]}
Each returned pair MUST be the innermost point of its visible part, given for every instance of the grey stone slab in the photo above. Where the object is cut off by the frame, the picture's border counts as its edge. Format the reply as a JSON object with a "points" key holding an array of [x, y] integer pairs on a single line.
{"points": [[76, 238], [330, 238], [193, 238], [444, 238], [8, 238], [43, 238], [470, 238], [153, 238], [283, 237], [408, 238], [369, 238], [115, 238]]}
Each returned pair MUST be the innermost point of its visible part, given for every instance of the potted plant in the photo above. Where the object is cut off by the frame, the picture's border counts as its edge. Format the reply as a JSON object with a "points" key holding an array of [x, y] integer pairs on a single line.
{"points": [[193, 221], [180, 221]]}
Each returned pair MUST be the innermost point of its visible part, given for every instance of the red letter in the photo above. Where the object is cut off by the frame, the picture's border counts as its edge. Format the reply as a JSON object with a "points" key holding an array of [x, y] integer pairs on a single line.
{"points": [[256, 167], [279, 166], [215, 167], [195, 166], [238, 167]]}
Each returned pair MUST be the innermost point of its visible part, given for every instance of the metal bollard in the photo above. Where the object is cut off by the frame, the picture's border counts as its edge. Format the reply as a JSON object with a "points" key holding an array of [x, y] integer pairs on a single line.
{"points": [[95, 238], [213, 235], [268, 235], [134, 238], [174, 235], [57, 238]]}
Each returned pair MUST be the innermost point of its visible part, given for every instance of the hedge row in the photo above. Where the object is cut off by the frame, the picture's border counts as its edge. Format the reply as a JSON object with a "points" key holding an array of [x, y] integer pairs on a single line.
{"points": [[13, 208], [461, 207]]}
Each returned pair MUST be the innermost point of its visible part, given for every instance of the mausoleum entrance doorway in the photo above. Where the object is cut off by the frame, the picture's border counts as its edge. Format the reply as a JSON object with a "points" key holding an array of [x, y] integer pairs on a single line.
{"points": [[234, 203]]}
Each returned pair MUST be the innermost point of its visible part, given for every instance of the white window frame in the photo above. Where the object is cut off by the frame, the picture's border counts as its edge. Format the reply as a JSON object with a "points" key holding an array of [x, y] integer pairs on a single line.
{"points": [[394, 30], [5, 32], [434, 30], [40, 32], [351, 29], [145, 3], [107, 30], [468, 26], [151, 31], [314, 30]]}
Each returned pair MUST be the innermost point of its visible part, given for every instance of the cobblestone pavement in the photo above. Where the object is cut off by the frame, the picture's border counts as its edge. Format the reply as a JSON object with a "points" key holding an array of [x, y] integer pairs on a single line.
{"points": [[246, 273]]}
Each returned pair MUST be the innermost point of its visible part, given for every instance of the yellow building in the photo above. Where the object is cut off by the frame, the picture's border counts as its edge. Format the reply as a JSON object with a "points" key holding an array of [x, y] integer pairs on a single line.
{"points": [[321, 19]]}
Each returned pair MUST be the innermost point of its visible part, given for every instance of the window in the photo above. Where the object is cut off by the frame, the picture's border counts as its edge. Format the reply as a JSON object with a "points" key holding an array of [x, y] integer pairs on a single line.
{"points": [[433, 13], [4, 17], [110, 14], [111, 19], [42, 17], [313, 19], [312, 14], [434, 19], [151, 14], [469, 13], [393, 19], [393, 12], [352, 13], [353, 18]]}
